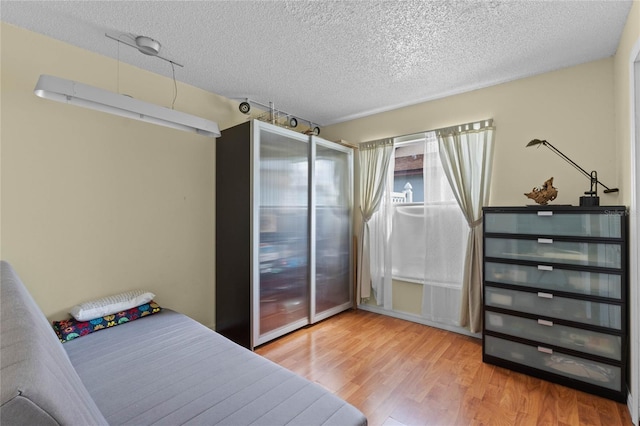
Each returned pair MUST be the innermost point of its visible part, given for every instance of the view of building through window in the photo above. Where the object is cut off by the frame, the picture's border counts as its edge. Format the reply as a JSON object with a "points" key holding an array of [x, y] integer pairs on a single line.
{"points": [[408, 173]]}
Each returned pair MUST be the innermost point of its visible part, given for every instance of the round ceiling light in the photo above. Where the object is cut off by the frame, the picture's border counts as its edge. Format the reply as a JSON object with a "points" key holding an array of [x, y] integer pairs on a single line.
{"points": [[147, 45]]}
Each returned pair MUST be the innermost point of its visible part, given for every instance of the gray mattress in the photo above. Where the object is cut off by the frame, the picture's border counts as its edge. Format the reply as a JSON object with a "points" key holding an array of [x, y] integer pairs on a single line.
{"points": [[169, 369]]}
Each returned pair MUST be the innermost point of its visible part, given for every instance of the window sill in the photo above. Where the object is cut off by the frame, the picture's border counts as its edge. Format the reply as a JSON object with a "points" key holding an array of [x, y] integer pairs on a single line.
{"points": [[457, 286]]}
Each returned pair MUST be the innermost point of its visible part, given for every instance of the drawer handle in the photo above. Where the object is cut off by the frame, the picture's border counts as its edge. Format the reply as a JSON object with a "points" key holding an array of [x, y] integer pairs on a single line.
{"points": [[545, 268], [545, 213], [545, 322], [545, 241], [545, 350], [545, 295]]}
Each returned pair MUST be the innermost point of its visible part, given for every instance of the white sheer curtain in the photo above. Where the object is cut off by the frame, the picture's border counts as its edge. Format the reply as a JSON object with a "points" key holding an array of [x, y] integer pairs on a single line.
{"points": [[466, 153], [445, 241], [429, 237], [374, 158]]}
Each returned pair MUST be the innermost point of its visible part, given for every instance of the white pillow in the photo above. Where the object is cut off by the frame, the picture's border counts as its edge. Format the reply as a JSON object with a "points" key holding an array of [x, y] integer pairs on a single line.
{"points": [[110, 305]]}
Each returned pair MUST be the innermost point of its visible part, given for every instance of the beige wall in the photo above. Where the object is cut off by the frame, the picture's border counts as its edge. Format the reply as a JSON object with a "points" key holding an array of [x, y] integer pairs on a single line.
{"points": [[406, 297], [623, 98], [572, 108], [94, 204]]}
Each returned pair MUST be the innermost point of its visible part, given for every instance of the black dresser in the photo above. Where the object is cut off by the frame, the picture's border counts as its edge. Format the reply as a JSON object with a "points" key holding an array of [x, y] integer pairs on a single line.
{"points": [[556, 295]]}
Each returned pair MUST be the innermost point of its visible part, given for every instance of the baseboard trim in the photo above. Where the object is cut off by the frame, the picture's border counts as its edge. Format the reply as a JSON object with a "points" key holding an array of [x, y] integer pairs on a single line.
{"points": [[630, 407], [414, 318]]}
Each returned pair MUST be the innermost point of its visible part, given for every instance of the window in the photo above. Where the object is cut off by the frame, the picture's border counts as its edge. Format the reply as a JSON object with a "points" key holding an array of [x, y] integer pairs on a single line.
{"points": [[429, 232]]}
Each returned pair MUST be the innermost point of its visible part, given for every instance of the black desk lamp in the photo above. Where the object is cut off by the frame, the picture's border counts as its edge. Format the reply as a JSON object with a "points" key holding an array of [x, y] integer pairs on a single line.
{"points": [[592, 198]]}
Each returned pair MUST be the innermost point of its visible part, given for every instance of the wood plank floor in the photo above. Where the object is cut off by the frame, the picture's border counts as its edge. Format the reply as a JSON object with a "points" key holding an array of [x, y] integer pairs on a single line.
{"points": [[402, 373]]}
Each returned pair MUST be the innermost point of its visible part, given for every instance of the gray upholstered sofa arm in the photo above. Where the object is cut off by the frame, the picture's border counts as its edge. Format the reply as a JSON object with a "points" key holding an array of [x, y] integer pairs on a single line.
{"points": [[39, 384]]}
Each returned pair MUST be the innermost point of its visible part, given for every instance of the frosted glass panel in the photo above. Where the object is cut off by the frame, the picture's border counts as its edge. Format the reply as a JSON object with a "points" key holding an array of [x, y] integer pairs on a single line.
{"points": [[284, 230], [596, 373], [547, 305], [333, 193], [606, 224], [553, 278], [551, 333], [547, 250]]}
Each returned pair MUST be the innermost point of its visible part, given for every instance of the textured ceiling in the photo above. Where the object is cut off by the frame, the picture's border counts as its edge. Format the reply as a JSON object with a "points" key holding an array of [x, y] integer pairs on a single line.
{"points": [[331, 61]]}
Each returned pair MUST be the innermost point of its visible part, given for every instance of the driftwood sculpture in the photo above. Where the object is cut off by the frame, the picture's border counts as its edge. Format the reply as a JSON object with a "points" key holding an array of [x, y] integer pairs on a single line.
{"points": [[544, 194]]}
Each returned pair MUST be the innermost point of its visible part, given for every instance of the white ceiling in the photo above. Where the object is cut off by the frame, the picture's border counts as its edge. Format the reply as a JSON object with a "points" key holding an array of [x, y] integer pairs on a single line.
{"points": [[331, 61]]}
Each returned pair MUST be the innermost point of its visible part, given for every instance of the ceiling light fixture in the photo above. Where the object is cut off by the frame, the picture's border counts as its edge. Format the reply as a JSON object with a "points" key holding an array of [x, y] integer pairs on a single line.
{"points": [[74, 93], [273, 116], [148, 46]]}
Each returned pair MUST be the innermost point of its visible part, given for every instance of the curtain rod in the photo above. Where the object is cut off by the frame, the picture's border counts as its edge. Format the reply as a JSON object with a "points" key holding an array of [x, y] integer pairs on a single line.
{"points": [[469, 126], [345, 143], [483, 123]]}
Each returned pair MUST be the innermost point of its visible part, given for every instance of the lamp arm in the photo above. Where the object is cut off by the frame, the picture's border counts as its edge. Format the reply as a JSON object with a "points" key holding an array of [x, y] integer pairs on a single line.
{"points": [[584, 172], [567, 159]]}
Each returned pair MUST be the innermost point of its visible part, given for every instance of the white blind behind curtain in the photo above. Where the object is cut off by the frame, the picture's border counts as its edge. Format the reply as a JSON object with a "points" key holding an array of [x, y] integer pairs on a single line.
{"points": [[428, 241]]}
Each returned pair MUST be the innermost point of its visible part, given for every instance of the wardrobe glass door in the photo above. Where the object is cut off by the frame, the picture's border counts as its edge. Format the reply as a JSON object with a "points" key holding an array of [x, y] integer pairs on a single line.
{"points": [[333, 199], [283, 252]]}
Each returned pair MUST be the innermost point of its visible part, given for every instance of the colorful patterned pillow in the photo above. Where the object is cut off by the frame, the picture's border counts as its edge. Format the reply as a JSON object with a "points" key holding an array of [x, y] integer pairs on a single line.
{"points": [[72, 328]]}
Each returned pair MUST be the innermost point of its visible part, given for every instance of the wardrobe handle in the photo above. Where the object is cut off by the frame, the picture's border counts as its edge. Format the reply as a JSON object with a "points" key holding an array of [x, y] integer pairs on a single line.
{"points": [[545, 213], [545, 295], [545, 241], [545, 322], [545, 268]]}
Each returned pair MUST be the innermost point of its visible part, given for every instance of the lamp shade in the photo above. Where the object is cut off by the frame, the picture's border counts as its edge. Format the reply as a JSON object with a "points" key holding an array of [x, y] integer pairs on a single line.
{"points": [[74, 93], [536, 142]]}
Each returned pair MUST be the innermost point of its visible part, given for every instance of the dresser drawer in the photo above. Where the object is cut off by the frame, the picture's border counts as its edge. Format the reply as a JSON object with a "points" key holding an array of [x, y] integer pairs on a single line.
{"points": [[606, 224], [545, 250], [547, 277], [546, 332], [547, 305], [596, 373]]}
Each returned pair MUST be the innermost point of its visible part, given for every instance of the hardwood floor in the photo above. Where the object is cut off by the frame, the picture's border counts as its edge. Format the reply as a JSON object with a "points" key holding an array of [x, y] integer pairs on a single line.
{"points": [[402, 373]]}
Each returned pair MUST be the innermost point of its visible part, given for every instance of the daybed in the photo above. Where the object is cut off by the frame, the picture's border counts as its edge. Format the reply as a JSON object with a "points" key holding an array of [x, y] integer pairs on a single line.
{"points": [[162, 369]]}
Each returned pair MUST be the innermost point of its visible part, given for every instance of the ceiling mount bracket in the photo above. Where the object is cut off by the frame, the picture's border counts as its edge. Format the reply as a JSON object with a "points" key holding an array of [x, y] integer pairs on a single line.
{"points": [[143, 44]]}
